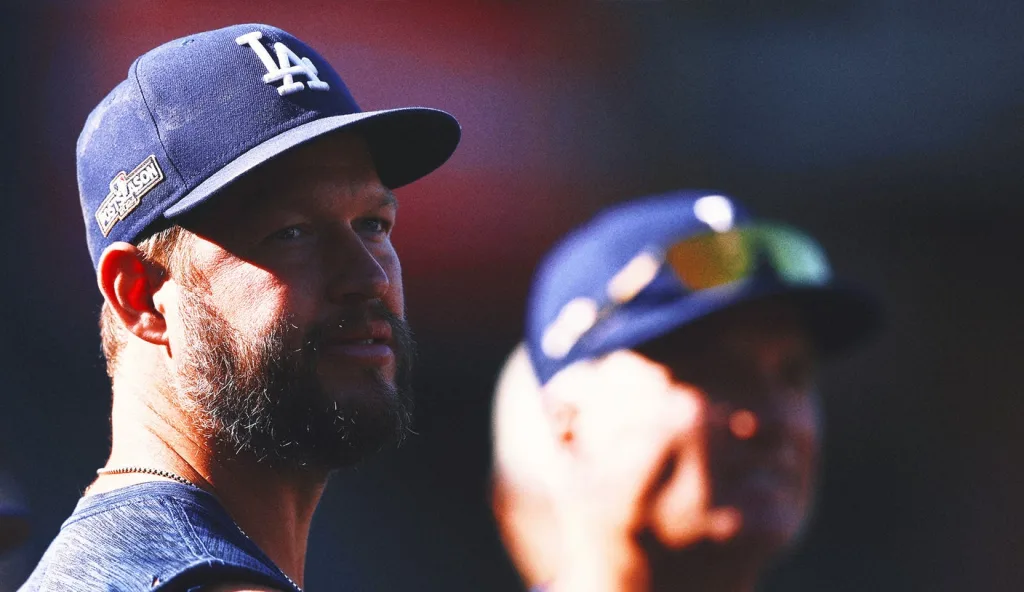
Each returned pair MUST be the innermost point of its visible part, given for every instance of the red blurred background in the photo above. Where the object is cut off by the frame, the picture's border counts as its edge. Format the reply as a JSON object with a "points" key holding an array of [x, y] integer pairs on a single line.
{"points": [[892, 131]]}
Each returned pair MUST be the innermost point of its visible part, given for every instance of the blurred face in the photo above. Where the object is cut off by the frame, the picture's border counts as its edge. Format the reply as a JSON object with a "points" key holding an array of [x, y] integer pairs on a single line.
{"points": [[754, 367], [290, 343]]}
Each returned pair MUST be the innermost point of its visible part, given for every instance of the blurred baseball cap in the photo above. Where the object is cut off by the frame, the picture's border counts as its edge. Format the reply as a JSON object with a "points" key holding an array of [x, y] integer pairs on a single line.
{"points": [[197, 113], [645, 268]]}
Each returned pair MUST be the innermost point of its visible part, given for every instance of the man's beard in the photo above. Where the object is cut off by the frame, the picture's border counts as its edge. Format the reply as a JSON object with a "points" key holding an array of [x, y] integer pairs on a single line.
{"points": [[253, 396]]}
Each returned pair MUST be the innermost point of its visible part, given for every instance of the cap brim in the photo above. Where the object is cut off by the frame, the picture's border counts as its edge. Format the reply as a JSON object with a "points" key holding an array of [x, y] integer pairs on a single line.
{"points": [[838, 316], [405, 144]]}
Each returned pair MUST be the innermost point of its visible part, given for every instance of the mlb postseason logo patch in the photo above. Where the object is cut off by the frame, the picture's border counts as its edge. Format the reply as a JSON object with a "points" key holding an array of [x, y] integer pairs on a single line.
{"points": [[126, 191]]}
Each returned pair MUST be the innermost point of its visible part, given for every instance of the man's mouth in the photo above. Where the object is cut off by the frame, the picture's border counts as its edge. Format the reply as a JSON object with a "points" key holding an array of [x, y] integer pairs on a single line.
{"points": [[369, 352], [366, 344]]}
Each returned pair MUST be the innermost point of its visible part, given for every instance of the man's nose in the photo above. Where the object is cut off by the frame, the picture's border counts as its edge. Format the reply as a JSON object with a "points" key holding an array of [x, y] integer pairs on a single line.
{"points": [[353, 270]]}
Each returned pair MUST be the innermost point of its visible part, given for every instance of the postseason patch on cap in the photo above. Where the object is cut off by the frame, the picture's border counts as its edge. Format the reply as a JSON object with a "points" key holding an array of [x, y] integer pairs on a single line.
{"points": [[126, 191]]}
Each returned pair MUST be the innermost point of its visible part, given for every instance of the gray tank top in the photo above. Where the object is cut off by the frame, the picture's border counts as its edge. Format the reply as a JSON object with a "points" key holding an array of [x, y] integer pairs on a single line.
{"points": [[151, 536]]}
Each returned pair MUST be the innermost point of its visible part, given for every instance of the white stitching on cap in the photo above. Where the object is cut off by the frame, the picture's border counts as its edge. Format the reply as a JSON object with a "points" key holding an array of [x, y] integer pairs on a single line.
{"points": [[288, 65]]}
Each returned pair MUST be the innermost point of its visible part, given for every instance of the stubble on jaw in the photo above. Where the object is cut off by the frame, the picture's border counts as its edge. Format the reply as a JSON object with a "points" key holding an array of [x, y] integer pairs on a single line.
{"points": [[253, 397]]}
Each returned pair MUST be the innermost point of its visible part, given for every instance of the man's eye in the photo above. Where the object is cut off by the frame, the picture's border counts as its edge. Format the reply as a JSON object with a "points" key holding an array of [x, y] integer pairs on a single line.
{"points": [[290, 233], [374, 225]]}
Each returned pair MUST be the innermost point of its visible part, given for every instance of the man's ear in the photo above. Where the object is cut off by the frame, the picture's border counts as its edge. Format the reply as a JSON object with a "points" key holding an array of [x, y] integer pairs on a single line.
{"points": [[560, 411], [128, 283]]}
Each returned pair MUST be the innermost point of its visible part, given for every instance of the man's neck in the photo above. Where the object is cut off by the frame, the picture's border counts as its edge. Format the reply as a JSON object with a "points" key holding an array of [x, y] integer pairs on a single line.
{"points": [[273, 507]]}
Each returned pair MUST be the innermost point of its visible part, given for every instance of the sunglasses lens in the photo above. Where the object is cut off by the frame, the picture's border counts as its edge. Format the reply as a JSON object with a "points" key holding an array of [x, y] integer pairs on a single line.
{"points": [[718, 258], [710, 260], [796, 257]]}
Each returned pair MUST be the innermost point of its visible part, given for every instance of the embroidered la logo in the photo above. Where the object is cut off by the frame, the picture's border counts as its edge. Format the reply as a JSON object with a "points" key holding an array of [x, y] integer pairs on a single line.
{"points": [[126, 191], [288, 65]]}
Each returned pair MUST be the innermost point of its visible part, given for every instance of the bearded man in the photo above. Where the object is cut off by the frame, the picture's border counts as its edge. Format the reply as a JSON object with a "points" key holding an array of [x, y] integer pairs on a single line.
{"points": [[239, 214]]}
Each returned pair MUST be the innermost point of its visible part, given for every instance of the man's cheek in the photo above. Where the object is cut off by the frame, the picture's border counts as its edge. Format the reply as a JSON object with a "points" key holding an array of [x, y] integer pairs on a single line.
{"points": [[267, 310]]}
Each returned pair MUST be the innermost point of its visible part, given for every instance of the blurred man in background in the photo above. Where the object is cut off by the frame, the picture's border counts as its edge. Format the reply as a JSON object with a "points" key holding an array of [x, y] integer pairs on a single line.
{"points": [[659, 428], [239, 213]]}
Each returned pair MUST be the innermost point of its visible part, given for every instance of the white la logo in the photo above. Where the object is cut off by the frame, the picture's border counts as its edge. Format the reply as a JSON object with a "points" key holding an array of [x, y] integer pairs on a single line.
{"points": [[288, 66]]}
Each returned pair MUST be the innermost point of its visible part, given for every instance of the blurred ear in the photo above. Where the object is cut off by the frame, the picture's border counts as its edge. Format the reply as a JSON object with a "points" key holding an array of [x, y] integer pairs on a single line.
{"points": [[128, 283], [561, 400], [562, 420]]}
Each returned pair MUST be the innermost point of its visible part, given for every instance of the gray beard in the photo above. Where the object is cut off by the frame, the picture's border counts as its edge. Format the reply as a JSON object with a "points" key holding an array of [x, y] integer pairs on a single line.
{"points": [[252, 397]]}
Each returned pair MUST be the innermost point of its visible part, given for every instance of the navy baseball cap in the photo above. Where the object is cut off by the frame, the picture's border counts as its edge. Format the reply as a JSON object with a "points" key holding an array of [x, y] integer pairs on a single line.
{"points": [[198, 112], [645, 268]]}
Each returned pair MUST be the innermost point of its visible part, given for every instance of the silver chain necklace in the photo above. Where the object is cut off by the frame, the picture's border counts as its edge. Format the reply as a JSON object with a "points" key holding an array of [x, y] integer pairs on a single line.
{"points": [[184, 481], [148, 471]]}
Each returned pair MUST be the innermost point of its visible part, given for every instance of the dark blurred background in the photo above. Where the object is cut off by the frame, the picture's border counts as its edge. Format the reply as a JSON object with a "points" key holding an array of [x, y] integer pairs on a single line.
{"points": [[891, 130]]}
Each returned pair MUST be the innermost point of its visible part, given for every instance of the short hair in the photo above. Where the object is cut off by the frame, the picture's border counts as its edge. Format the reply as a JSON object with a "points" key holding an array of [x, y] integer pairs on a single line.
{"points": [[165, 249]]}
